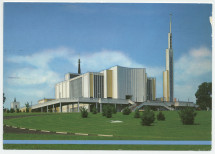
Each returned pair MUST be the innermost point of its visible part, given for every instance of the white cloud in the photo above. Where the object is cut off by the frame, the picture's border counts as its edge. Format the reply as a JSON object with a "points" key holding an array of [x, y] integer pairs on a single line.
{"points": [[106, 58], [40, 59], [194, 64], [37, 67], [190, 71], [31, 76]]}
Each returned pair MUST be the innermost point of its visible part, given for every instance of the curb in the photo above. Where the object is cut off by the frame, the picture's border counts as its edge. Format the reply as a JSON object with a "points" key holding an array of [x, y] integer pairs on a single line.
{"points": [[47, 131], [82, 134], [61, 132]]}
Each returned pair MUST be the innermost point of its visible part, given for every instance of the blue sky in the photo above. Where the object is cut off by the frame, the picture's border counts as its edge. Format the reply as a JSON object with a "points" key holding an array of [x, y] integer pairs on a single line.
{"points": [[42, 42]]}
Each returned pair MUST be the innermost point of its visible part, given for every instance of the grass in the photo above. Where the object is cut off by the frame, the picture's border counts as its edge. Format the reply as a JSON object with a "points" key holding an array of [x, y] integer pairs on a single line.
{"points": [[12, 136], [130, 129], [108, 147], [24, 113]]}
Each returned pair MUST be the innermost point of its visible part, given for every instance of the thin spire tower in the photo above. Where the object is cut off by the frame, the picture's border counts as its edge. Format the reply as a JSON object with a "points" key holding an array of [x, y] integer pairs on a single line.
{"points": [[79, 66], [170, 24], [168, 79]]}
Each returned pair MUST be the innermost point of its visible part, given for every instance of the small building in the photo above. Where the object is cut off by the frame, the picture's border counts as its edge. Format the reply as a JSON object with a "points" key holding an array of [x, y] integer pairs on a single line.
{"points": [[15, 105]]}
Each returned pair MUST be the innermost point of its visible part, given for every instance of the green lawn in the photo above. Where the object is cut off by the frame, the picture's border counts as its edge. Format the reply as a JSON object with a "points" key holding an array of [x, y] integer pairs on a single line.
{"points": [[24, 113], [130, 129]]}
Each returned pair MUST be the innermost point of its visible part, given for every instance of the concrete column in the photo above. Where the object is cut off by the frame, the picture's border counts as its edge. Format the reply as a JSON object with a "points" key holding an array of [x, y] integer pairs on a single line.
{"points": [[60, 108], [67, 108], [115, 105], [72, 107], [53, 110], [88, 107], [41, 109], [47, 109], [101, 107], [78, 106], [96, 106]]}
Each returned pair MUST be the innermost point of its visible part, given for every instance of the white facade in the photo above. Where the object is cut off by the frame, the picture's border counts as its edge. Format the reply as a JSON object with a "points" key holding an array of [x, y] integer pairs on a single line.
{"points": [[130, 83], [117, 83]]}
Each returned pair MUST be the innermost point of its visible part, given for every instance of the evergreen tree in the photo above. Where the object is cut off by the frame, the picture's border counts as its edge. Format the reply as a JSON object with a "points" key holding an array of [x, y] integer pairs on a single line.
{"points": [[108, 111], [126, 111], [27, 107], [137, 114], [84, 113], [94, 110], [187, 116], [114, 111], [4, 99], [148, 117], [160, 116]]}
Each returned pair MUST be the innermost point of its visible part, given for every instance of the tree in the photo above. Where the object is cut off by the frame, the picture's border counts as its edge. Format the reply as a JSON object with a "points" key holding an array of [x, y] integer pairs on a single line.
{"points": [[114, 111], [12, 110], [187, 115], [4, 99], [84, 113], [126, 111], [204, 95], [109, 111], [104, 110], [137, 114], [27, 107], [148, 117], [94, 110], [17, 111], [160, 116]]}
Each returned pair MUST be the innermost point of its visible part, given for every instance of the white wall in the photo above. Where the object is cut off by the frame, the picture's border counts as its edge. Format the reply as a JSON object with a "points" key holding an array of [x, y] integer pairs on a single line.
{"points": [[76, 87], [86, 85], [15, 105], [131, 81]]}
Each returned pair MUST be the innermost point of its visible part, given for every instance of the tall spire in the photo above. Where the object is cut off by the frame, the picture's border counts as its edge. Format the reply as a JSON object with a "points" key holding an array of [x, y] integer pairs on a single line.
{"points": [[79, 66], [170, 33]]}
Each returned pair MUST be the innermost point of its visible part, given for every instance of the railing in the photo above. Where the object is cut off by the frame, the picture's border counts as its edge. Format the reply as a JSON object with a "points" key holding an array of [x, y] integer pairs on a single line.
{"points": [[154, 103], [81, 100]]}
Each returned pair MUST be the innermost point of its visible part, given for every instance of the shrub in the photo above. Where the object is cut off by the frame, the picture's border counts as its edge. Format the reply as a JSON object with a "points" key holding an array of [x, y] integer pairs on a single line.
{"points": [[8, 111], [187, 116], [126, 111], [94, 110], [84, 113], [11, 110], [17, 110], [137, 114], [160, 116], [109, 112], [104, 110], [114, 110], [148, 117], [27, 107]]}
